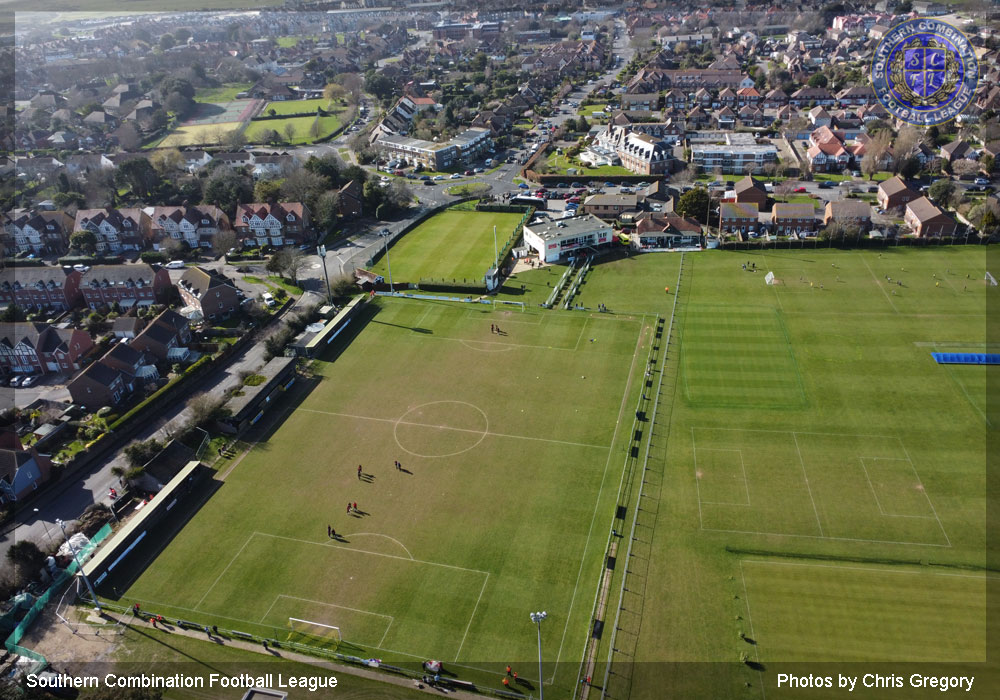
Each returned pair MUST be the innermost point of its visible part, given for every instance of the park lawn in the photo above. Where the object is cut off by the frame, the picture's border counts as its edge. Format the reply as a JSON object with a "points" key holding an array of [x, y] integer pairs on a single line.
{"points": [[561, 163], [589, 110], [226, 93], [298, 106], [199, 134], [454, 245], [303, 128], [523, 472], [286, 42]]}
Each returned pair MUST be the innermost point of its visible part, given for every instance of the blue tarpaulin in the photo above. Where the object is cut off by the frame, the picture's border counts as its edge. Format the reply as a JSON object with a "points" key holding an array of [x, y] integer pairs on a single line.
{"points": [[966, 358]]}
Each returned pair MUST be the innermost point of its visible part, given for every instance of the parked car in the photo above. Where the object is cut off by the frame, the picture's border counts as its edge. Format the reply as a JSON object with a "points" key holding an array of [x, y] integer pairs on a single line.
{"points": [[561, 186], [575, 185], [799, 190], [982, 181], [524, 186], [15, 381], [175, 265], [439, 177], [467, 172], [267, 299], [29, 380], [425, 177], [826, 185], [609, 184], [455, 176], [428, 181]]}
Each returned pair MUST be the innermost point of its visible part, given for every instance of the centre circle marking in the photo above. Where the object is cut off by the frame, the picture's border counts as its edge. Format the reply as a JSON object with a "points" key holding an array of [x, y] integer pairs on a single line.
{"points": [[401, 420]]}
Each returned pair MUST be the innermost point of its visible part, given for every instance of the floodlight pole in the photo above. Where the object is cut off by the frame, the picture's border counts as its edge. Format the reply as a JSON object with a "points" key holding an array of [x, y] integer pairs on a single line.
{"points": [[76, 557], [385, 234], [537, 618], [321, 251], [496, 253]]}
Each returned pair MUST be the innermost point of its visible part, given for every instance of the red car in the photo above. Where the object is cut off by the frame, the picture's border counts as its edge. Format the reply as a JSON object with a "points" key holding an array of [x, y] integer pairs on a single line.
{"points": [[468, 172], [799, 190]]}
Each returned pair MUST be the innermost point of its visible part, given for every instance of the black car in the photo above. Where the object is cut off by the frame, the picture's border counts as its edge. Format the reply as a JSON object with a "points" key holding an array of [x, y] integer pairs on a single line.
{"points": [[429, 182], [825, 185]]}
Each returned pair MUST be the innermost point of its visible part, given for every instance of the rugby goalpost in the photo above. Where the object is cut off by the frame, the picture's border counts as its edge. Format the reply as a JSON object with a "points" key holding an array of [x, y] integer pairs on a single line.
{"points": [[990, 279], [314, 634]]}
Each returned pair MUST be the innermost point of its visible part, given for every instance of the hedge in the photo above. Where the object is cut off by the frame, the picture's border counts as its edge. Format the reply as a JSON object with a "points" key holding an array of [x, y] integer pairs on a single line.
{"points": [[153, 256], [92, 260], [22, 262], [159, 392]]}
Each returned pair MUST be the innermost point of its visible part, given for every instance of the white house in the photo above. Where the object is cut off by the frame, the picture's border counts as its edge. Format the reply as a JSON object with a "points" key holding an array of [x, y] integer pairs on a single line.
{"points": [[553, 240]]}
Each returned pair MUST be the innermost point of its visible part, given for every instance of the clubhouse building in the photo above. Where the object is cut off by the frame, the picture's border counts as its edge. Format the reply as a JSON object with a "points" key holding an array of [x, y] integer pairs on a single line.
{"points": [[553, 240]]}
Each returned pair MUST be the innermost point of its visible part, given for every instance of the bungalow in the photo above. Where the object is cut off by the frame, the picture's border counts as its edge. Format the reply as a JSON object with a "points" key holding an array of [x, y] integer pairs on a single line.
{"points": [[665, 232], [798, 218], [926, 220], [894, 193], [738, 217]]}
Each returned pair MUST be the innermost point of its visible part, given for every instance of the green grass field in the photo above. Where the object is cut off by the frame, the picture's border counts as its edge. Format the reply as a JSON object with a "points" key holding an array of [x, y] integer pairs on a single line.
{"points": [[455, 244], [561, 163], [296, 106], [460, 408], [198, 134], [225, 93], [303, 128], [815, 494]]}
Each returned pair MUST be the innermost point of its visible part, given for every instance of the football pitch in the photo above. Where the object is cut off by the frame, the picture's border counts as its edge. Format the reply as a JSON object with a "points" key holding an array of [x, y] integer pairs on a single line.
{"points": [[502, 505], [455, 245], [814, 492]]}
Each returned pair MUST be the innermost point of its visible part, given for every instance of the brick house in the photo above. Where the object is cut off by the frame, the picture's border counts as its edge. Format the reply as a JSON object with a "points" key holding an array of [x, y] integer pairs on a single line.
{"points": [[351, 199], [125, 285], [848, 212], [38, 348], [40, 287], [278, 224], [101, 385], [738, 217], [792, 218], [926, 220], [749, 189], [168, 331], [894, 193], [609, 206], [210, 292], [115, 229]]}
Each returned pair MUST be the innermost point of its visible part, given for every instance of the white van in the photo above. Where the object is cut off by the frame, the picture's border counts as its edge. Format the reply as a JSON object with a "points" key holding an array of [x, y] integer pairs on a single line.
{"points": [[489, 162], [267, 299], [175, 265]]}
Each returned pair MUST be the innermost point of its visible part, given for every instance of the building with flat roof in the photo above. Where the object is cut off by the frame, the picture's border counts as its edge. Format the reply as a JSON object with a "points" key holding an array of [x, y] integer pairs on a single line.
{"points": [[733, 158], [553, 240], [466, 147]]}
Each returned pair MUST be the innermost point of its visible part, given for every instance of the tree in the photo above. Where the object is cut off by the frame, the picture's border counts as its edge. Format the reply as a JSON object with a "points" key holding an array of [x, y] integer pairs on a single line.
{"points": [[287, 262], [965, 168], [27, 559], [818, 81], [988, 162], [333, 92], [289, 131], [182, 35], [326, 166], [909, 167], [327, 211], [233, 139], [167, 161], [907, 141], [869, 164], [84, 241], [139, 175], [694, 203], [941, 191], [167, 41], [398, 194], [379, 85], [267, 191], [224, 241], [226, 188], [204, 409], [128, 137], [302, 185], [140, 452]]}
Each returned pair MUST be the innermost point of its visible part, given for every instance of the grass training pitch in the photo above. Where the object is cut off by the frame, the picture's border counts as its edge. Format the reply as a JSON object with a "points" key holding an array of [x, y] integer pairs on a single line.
{"points": [[202, 134], [305, 129], [299, 106], [456, 244]]}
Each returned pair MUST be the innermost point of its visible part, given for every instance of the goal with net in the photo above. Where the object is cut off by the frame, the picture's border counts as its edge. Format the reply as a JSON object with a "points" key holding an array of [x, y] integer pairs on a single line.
{"points": [[769, 278], [313, 634], [497, 303], [991, 280]]}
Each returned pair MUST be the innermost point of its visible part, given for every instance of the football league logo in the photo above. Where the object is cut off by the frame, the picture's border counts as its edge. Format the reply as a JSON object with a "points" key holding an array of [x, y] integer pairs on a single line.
{"points": [[925, 71]]}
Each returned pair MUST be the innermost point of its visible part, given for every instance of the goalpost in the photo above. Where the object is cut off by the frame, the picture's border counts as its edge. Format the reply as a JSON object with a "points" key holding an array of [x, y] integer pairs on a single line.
{"points": [[313, 634], [769, 278], [500, 302], [990, 279]]}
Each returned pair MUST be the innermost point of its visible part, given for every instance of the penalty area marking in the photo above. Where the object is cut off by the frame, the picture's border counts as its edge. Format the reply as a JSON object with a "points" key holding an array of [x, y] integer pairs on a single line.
{"points": [[330, 605]]}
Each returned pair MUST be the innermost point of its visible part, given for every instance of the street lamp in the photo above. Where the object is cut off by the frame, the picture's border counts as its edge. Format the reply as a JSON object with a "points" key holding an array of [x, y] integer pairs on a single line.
{"points": [[537, 618], [93, 593], [321, 251], [385, 233], [46, 526]]}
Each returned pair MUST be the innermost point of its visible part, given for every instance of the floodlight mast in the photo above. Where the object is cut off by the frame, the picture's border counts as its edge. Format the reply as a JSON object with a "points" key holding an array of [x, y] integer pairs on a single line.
{"points": [[537, 618], [76, 557]]}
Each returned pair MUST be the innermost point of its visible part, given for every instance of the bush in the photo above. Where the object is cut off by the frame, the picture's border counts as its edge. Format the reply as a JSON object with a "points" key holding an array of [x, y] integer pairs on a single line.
{"points": [[254, 380], [153, 256]]}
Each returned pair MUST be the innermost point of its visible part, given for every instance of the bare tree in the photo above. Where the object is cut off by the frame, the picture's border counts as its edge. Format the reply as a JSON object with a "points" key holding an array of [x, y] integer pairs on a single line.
{"points": [[965, 168], [223, 241]]}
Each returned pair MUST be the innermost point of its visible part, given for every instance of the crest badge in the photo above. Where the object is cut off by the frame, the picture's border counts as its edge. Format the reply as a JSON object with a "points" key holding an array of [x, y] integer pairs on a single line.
{"points": [[924, 71]]}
